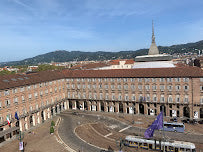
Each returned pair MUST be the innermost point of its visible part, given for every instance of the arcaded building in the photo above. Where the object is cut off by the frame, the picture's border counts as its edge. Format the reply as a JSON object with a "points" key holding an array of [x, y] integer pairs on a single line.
{"points": [[36, 97]]}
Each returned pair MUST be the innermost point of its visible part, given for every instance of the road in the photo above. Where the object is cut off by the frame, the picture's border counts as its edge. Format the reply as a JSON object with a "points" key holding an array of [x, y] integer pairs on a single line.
{"points": [[71, 120]]}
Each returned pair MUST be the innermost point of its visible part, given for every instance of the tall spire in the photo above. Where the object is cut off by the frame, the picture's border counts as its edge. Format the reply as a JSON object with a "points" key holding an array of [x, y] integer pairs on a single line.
{"points": [[153, 50], [153, 37]]}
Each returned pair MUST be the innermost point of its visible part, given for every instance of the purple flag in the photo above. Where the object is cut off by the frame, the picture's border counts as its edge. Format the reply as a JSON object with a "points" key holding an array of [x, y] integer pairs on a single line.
{"points": [[157, 124]]}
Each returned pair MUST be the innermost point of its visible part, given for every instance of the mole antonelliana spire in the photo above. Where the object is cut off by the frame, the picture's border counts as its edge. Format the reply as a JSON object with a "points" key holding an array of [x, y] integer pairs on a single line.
{"points": [[153, 50]]}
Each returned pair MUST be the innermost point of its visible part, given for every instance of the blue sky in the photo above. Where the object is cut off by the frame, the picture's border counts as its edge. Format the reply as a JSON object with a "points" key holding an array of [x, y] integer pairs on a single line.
{"points": [[32, 27]]}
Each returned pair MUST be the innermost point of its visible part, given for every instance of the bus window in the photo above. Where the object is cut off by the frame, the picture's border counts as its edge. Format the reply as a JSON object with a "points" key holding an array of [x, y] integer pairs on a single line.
{"points": [[176, 149], [150, 146], [145, 145], [182, 150]]}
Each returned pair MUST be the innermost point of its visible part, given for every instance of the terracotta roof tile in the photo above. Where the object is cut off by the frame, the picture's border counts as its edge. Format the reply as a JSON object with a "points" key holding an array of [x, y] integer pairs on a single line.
{"points": [[10, 81]]}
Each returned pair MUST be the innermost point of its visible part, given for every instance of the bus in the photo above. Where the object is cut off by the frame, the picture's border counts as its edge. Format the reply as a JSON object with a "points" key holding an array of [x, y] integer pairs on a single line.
{"points": [[151, 144], [174, 126]]}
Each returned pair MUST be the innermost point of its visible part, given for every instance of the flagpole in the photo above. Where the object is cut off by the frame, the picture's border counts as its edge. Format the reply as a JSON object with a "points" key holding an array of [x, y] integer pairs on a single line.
{"points": [[163, 126]]}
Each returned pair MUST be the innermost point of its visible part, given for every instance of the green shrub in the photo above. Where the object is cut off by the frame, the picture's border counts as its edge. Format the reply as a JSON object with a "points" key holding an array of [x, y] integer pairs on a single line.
{"points": [[51, 129], [52, 123]]}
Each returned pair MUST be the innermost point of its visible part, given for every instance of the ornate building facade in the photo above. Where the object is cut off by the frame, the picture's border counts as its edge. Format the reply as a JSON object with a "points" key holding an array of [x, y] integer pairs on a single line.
{"points": [[37, 97]]}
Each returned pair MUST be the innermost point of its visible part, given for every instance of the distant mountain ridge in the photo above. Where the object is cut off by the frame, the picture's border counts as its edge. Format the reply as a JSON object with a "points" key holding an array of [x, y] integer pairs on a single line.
{"points": [[66, 56]]}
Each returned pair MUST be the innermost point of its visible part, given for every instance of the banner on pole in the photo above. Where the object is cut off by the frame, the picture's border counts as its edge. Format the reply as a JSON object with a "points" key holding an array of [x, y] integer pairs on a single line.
{"points": [[21, 145]]}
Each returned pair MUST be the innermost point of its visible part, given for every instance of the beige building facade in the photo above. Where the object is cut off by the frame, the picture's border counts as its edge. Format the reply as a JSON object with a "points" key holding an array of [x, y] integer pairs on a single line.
{"points": [[36, 97]]}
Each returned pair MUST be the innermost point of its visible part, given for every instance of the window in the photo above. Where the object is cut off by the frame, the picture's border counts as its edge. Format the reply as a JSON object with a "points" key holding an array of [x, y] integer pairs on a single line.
{"points": [[178, 98], [140, 87], [14, 90], [112, 87], [133, 97], [106, 87], [126, 97], [73, 86], [148, 98], [161, 79], [139, 79], [177, 79], [119, 97], [119, 87], [162, 87], [133, 87], [36, 95], [112, 79], [126, 87], [90, 96], [154, 87], [153, 79], [132, 79], [201, 100], [6, 92], [162, 99], [107, 97], [146, 79], [100, 96], [23, 99], [154, 98], [118, 79], [94, 86], [7, 103], [113, 96], [201, 88], [169, 79], [185, 79], [177, 88], [186, 88], [46, 91], [89, 86], [100, 86], [170, 88], [84, 86], [95, 96], [30, 96], [147, 87], [125, 80], [170, 99], [28, 87], [186, 100], [0, 105]]}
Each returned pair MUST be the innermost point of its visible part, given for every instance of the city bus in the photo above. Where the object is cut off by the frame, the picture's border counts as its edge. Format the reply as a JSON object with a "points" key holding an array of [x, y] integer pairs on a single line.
{"points": [[174, 126]]}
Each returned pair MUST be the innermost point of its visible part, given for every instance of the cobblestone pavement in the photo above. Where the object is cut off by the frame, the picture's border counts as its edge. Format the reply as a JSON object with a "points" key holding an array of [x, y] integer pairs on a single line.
{"points": [[36, 140]]}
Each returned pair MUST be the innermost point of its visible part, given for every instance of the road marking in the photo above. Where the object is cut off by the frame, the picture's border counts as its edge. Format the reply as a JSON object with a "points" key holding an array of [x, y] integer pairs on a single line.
{"points": [[108, 135], [124, 128]]}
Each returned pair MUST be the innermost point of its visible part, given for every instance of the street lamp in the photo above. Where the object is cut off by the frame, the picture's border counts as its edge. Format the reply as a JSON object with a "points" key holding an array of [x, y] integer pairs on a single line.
{"points": [[120, 144], [20, 137]]}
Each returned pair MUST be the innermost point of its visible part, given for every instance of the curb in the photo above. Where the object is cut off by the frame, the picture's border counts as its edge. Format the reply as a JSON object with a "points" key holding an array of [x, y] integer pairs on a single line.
{"points": [[58, 138]]}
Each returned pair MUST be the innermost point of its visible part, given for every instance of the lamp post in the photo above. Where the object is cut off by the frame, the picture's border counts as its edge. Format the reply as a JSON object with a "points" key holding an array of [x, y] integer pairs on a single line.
{"points": [[120, 144], [20, 137]]}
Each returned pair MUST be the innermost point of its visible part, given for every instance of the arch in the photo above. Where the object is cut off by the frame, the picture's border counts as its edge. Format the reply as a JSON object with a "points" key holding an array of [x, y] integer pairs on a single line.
{"points": [[186, 112], [70, 105], [120, 107], [102, 106], [85, 105], [31, 121], [77, 104], [163, 108], [201, 113], [52, 111], [42, 116], [141, 108]]}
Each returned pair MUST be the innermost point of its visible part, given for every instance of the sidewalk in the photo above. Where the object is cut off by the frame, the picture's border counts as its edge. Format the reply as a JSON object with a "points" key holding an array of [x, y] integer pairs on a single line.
{"points": [[37, 140]]}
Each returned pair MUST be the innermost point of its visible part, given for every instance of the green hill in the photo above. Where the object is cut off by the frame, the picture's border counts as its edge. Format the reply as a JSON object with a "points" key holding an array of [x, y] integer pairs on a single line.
{"points": [[65, 56]]}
